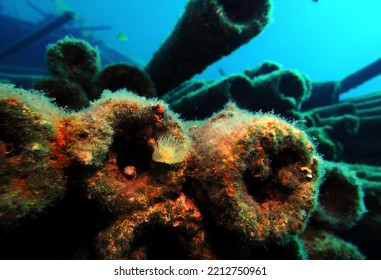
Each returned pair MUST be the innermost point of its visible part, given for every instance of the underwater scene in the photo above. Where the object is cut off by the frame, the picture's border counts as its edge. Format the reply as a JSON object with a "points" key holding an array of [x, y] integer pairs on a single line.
{"points": [[198, 129]]}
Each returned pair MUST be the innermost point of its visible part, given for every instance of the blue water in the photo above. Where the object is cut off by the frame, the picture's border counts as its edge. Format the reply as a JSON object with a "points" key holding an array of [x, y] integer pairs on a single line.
{"points": [[327, 40]]}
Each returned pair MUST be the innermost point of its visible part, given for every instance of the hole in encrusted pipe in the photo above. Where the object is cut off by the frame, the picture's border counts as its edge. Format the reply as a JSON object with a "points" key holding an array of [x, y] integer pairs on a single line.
{"points": [[285, 157], [241, 11], [291, 85], [131, 152], [123, 76], [239, 89], [339, 196], [254, 186], [74, 55], [158, 242], [267, 190], [271, 188]]}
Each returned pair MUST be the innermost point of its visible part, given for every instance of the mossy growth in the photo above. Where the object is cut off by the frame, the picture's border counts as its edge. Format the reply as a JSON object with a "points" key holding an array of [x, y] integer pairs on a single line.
{"points": [[31, 164]]}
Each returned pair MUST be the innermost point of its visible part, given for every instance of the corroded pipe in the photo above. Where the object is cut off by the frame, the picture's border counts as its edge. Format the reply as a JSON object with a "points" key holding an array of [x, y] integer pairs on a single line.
{"points": [[282, 91], [207, 31]]}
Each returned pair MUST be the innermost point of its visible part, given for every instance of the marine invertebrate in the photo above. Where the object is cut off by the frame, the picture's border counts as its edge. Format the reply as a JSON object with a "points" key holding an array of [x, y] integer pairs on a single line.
{"points": [[220, 27], [31, 162], [128, 128], [170, 150], [247, 185], [106, 151], [251, 180], [134, 190], [257, 175], [118, 114]]}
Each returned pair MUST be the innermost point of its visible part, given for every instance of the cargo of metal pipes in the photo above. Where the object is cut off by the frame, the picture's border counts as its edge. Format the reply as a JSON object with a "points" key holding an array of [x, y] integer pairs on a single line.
{"points": [[207, 31]]}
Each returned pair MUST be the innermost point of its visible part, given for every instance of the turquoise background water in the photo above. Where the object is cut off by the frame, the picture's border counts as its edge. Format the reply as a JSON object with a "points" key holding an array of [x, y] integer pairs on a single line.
{"points": [[327, 40]]}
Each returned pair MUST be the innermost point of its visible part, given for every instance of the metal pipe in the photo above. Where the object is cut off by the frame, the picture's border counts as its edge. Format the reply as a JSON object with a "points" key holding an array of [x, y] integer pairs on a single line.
{"points": [[207, 31]]}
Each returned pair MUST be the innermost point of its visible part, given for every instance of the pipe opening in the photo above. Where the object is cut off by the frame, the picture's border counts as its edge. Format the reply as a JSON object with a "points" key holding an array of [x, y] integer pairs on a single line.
{"points": [[241, 11]]}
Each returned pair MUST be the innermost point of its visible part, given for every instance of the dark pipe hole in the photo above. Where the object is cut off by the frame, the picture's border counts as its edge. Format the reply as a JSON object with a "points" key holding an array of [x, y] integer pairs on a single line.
{"points": [[270, 188], [291, 85], [332, 195], [240, 11], [285, 157], [161, 243], [130, 152], [266, 190]]}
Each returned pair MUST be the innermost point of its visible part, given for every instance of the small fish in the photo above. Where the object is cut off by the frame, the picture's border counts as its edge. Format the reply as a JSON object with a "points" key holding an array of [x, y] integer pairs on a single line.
{"points": [[122, 37], [222, 72]]}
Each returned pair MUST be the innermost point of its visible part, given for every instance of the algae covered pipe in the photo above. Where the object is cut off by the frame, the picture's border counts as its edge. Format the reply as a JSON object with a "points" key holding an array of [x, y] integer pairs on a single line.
{"points": [[207, 31]]}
